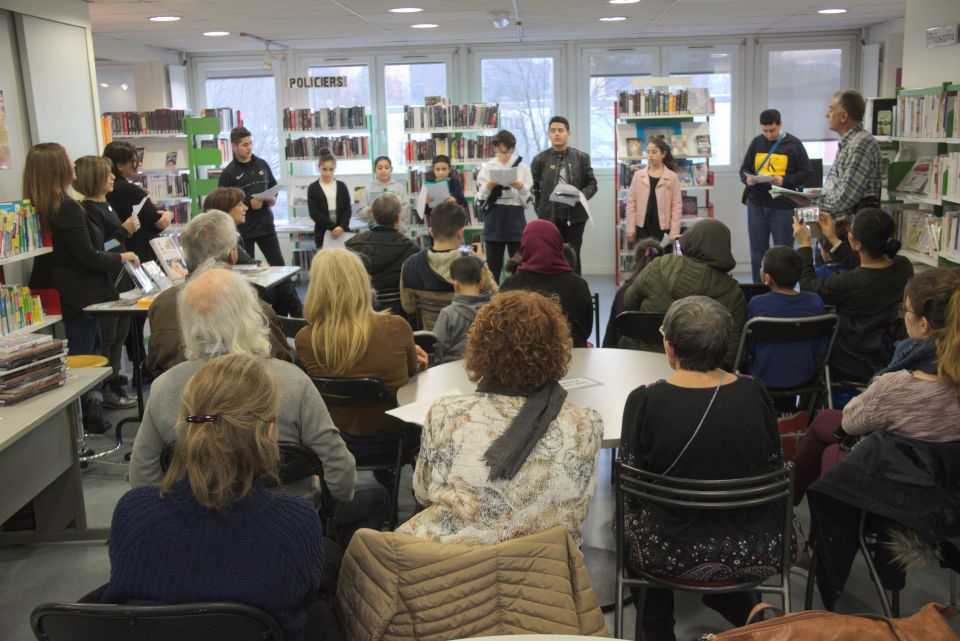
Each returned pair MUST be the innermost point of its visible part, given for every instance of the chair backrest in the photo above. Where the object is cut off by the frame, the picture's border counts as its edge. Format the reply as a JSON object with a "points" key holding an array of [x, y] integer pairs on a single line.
{"points": [[753, 289], [354, 392], [183, 622], [427, 341], [595, 299], [764, 329], [641, 326], [388, 297], [714, 495], [428, 308], [290, 326], [298, 462]]}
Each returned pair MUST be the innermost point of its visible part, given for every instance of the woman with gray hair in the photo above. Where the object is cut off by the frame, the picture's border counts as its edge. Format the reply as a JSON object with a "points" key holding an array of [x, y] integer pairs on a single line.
{"points": [[701, 423]]}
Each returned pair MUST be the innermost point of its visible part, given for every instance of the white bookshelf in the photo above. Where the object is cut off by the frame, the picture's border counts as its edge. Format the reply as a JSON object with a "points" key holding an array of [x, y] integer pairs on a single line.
{"points": [[25, 255], [50, 320]]}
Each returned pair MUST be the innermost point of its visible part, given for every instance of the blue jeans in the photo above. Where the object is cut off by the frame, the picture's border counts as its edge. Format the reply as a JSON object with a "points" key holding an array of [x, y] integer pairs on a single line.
{"points": [[762, 222]]}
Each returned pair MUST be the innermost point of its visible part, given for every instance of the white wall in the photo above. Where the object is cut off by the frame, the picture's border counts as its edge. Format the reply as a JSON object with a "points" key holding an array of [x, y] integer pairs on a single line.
{"points": [[924, 67], [16, 120], [115, 97]]}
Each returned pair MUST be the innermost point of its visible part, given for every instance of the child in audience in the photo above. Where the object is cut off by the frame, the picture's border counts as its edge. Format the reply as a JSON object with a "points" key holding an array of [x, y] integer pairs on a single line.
{"points": [[827, 264], [442, 170], [784, 365], [643, 254], [382, 184], [455, 319]]}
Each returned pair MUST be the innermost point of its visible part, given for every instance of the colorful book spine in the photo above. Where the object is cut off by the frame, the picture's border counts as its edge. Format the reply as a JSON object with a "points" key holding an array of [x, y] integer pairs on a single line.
{"points": [[18, 308], [19, 228]]}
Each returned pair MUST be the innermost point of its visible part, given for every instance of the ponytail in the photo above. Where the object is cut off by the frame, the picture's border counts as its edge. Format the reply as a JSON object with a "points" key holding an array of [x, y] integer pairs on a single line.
{"points": [[948, 344]]}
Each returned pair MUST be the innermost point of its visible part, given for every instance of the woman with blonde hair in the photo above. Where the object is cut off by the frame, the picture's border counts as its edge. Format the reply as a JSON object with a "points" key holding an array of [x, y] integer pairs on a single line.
{"points": [[212, 531], [347, 339]]}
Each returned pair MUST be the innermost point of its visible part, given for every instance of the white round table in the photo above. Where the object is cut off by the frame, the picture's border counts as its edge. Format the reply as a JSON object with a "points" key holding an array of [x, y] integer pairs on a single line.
{"points": [[616, 371]]}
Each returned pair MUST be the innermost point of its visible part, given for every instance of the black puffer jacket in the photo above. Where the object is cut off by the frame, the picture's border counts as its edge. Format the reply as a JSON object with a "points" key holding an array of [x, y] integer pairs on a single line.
{"points": [[384, 249]]}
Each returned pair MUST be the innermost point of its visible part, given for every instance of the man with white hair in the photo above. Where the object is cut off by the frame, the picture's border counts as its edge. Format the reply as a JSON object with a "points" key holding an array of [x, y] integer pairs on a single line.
{"points": [[218, 315], [211, 236]]}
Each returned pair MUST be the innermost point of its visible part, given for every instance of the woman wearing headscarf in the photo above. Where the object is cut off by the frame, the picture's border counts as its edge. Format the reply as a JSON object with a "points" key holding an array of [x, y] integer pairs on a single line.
{"points": [[545, 269], [514, 457]]}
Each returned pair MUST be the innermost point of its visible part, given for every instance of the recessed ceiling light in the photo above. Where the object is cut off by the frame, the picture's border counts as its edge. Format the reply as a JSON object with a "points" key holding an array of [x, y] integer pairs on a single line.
{"points": [[124, 86], [406, 10], [425, 25], [613, 19], [164, 18], [832, 11], [214, 34], [105, 85], [623, 1]]}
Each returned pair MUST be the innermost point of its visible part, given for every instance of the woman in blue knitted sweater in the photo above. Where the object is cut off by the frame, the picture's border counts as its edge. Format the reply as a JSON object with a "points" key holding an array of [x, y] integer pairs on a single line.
{"points": [[212, 531]]}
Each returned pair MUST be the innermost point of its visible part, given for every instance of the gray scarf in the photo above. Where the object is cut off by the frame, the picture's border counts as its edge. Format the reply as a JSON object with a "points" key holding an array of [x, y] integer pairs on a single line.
{"points": [[507, 454]]}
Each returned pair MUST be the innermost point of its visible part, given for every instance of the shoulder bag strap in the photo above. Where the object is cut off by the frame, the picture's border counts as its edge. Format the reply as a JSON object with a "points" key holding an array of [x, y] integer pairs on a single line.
{"points": [[696, 431], [770, 153]]}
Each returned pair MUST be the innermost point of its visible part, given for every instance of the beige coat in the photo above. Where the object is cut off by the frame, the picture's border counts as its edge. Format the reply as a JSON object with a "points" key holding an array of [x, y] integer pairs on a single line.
{"points": [[396, 587]]}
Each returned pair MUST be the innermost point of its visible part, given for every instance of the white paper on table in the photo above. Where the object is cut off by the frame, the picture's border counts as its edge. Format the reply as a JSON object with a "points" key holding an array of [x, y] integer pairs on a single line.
{"points": [[504, 176], [268, 194], [329, 242], [416, 412], [578, 382], [762, 179], [135, 212]]}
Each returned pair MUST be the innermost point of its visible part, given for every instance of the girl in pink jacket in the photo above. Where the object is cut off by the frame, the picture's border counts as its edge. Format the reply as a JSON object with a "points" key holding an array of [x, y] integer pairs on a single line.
{"points": [[654, 217]]}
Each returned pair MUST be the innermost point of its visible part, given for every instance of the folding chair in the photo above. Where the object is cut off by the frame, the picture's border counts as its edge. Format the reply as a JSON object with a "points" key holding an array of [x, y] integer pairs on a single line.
{"points": [[641, 326], [427, 341], [772, 489], [290, 325], [753, 289], [596, 318]]}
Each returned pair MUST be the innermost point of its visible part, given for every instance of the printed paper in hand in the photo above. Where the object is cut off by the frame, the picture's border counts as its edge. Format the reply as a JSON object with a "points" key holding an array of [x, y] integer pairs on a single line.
{"points": [[136, 208], [576, 383], [156, 275], [329, 242], [504, 176], [268, 194], [438, 191], [140, 278], [416, 413], [762, 178], [569, 195], [780, 191], [171, 260]]}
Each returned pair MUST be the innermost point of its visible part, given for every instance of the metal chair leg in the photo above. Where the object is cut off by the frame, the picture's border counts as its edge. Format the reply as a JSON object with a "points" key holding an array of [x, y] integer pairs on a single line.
{"points": [[874, 574], [811, 579]]}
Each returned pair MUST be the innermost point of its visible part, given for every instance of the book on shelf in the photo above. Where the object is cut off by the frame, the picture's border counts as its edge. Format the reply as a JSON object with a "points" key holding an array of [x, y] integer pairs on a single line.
{"points": [[689, 206], [467, 178], [29, 367], [325, 118], [134, 123], [678, 145], [685, 138], [459, 149], [475, 116], [430, 101], [170, 257], [343, 147], [634, 148], [19, 228], [702, 176], [915, 182], [659, 102], [926, 116], [164, 186], [703, 145], [223, 114], [626, 171], [19, 308]]}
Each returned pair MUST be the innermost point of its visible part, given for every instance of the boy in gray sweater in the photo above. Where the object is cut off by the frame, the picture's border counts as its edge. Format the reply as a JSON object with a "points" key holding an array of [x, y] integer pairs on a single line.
{"points": [[455, 319]]}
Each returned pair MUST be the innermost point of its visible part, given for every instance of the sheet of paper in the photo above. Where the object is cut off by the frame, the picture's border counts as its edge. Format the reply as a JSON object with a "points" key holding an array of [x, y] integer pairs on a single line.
{"points": [[438, 191], [762, 178], [268, 194], [504, 176], [569, 195], [576, 383], [135, 212], [416, 413], [329, 242], [421, 205], [781, 191]]}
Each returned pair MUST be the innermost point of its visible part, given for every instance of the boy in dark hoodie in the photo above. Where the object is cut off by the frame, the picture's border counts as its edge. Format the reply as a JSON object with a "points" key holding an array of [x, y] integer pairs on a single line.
{"points": [[455, 319]]}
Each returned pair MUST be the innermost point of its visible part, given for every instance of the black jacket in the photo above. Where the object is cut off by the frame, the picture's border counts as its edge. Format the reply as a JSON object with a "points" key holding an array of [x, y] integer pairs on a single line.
{"points": [[124, 196], [79, 268], [545, 169], [574, 295], [252, 177], [384, 250], [790, 160], [320, 213], [455, 186]]}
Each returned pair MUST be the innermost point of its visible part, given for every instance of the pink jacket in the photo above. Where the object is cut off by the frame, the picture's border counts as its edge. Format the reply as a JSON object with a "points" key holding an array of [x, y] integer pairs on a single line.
{"points": [[668, 200]]}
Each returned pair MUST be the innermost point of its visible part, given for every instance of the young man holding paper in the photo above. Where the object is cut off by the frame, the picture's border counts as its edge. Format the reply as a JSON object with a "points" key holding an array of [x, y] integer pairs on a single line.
{"points": [[773, 158], [563, 165], [253, 175], [504, 183]]}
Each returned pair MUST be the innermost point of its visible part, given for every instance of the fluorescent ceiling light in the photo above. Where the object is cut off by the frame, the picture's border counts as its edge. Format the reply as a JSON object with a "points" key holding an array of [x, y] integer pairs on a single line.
{"points": [[214, 34], [406, 10], [105, 85], [424, 25], [623, 1], [613, 19], [832, 11], [164, 18]]}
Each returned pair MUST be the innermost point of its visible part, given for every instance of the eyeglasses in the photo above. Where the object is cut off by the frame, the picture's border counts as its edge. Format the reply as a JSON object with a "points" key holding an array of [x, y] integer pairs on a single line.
{"points": [[662, 333]]}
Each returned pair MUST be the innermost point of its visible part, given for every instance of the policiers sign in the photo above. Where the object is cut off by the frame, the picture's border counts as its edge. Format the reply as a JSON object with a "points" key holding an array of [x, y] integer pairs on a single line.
{"points": [[316, 82]]}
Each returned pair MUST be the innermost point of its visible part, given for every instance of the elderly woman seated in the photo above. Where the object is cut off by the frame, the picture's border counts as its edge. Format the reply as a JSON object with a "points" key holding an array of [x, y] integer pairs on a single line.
{"points": [[701, 423], [514, 457]]}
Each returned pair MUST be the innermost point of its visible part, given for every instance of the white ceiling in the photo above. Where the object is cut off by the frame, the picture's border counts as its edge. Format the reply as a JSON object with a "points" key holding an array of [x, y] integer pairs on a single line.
{"points": [[330, 24]]}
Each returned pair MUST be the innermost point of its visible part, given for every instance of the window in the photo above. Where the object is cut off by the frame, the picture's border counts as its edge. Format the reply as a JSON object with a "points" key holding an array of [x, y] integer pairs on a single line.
{"points": [[254, 98], [524, 89], [356, 93], [610, 72], [408, 84]]}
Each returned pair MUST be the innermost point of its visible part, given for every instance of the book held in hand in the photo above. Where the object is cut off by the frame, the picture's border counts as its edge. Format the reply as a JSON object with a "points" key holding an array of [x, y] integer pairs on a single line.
{"points": [[170, 257]]}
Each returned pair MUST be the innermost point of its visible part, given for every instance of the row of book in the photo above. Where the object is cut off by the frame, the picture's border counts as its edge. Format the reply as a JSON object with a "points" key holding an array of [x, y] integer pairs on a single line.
{"points": [[223, 144], [659, 102], [950, 235], [467, 178], [224, 115], [19, 308], [133, 123], [918, 231], [341, 147], [689, 173], [460, 150], [163, 186], [326, 118], [180, 211], [680, 146], [937, 177], [19, 228], [426, 117], [30, 365], [929, 116]]}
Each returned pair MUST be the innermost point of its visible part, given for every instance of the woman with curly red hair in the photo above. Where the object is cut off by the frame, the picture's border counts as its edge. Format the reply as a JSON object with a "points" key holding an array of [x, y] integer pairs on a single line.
{"points": [[514, 457]]}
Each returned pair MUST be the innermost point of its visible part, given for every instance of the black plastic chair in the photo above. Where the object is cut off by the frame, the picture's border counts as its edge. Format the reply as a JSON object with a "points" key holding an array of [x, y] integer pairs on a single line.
{"points": [[763, 329], [429, 306], [595, 299], [773, 489], [641, 326], [290, 326], [367, 393], [184, 622], [389, 299], [427, 341], [753, 289], [298, 462]]}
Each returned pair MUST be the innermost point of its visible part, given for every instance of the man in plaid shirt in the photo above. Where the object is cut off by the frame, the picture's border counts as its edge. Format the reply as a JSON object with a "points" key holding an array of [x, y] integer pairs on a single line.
{"points": [[855, 178]]}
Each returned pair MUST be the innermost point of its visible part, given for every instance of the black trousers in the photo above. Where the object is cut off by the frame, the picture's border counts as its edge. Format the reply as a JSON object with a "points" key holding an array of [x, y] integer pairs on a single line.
{"points": [[283, 298], [494, 253], [655, 615], [572, 235]]}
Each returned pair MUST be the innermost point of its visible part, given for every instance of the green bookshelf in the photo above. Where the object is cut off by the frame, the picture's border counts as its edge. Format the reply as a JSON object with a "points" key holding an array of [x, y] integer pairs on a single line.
{"points": [[201, 159]]}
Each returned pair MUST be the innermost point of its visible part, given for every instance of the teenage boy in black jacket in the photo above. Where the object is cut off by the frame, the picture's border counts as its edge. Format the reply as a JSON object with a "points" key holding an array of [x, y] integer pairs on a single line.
{"points": [[253, 176]]}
